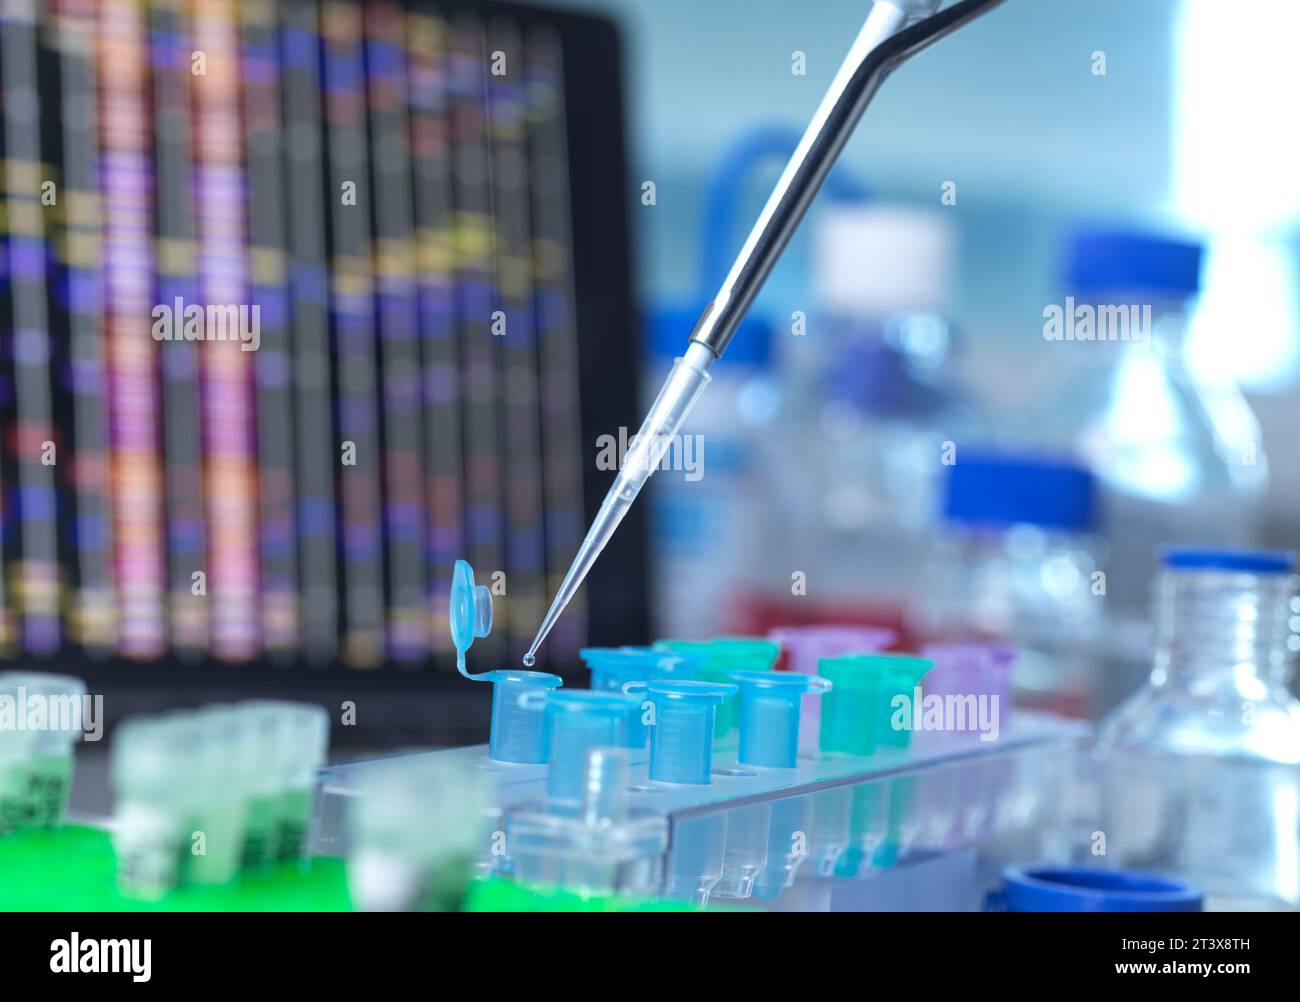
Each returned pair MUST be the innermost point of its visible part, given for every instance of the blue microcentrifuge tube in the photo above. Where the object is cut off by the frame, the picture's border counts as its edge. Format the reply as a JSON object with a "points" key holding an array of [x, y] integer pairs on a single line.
{"points": [[614, 667], [519, 730], [770, 704], [681, 740], [470, 614], [578, 721]]}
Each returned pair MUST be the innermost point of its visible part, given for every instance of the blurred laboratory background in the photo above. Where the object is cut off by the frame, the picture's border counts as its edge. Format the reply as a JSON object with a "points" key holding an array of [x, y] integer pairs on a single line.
{"points": [[902, 433], [1041, 321], [1020, 395]]}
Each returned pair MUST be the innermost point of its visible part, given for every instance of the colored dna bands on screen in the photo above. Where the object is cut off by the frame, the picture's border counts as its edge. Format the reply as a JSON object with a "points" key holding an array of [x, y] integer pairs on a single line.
{"points": [[255, 395]]}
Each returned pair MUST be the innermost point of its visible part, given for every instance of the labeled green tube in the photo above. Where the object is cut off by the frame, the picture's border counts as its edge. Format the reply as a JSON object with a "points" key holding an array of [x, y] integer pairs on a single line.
{"points": [[12, 802], [260, 813], [45, 785], [292, 821]]}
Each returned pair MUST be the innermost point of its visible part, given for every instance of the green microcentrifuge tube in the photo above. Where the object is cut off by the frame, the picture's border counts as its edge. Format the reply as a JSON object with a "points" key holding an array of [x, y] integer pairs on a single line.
{"points": [[47, 784], [293, 818], [153, 764], [301, 739], [416, 830]]}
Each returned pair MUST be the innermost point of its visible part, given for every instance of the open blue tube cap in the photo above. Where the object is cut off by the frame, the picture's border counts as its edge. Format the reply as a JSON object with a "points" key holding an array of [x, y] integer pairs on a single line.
{"points": [[519, 732], [681, 741], [1078, 889], [770, 705], [470, 614]]}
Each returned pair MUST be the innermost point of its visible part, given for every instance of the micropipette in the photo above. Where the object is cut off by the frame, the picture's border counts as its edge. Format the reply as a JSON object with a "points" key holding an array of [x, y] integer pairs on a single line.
{"points": [[885, 42]]}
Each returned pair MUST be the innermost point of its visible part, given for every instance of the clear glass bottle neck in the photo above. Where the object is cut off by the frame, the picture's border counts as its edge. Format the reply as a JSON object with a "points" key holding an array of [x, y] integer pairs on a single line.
{"points": [[1219, 630], [1138, 318], [1169, 328]]}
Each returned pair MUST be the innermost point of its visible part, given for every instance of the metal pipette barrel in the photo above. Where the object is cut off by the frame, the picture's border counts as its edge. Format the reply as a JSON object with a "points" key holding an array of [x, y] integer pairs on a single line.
{"points": [[879, 47]]}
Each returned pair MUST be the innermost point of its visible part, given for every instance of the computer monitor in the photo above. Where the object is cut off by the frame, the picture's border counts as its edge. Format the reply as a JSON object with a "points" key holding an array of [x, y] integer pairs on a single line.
{"points": [[300, 302]]}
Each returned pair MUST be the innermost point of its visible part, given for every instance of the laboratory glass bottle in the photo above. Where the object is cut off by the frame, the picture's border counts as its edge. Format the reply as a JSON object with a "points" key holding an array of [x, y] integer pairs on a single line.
{"points": [[869, 404], [1015, 560], [1177, 451], [1200, 769]]}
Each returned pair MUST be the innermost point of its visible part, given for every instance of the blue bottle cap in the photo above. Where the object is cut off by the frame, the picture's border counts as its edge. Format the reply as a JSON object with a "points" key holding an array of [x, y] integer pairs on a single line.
{"points": [[1117, 260], [1001, 489], [470, 614], [1247, 561], [770, 705], [1077, 889]]}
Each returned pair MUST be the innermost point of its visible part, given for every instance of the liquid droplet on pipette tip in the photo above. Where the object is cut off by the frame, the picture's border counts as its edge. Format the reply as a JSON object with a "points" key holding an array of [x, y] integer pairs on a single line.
{"points": [[530, 660]]}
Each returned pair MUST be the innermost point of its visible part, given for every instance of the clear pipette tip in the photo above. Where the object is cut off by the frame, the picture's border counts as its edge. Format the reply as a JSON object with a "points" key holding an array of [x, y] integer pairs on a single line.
{"points": [[611, 513], [683, 387]]}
